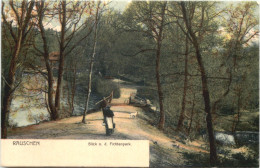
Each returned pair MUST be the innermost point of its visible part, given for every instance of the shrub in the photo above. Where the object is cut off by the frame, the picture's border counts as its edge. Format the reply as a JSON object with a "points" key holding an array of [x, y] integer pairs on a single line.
{"points": [[148, 93], [105, 86], [256, 121], [227, 110]]}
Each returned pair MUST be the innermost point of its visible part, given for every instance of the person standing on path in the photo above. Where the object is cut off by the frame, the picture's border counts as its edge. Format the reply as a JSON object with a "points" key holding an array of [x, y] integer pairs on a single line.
{"points": [[103, 105], [108, 113]]}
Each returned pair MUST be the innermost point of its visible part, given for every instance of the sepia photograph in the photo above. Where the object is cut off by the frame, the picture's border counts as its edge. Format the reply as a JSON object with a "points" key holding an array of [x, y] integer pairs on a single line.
{"points": [[182, 75]]}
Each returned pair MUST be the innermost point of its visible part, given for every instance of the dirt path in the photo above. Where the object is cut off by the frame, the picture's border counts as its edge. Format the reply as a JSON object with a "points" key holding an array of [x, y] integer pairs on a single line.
{"points": [[164, 152]]}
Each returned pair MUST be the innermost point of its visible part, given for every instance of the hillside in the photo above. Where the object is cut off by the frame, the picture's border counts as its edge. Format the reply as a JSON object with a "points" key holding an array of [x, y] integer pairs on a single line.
{"points": [[165, 150]]}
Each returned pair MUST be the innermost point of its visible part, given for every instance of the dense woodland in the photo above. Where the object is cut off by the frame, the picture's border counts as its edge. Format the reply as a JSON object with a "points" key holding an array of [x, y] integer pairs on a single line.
{"points": [[196, 61]]}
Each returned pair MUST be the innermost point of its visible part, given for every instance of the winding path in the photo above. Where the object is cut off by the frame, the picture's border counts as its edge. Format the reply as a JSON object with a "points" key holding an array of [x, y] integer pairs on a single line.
{"points": [[164, 151]]}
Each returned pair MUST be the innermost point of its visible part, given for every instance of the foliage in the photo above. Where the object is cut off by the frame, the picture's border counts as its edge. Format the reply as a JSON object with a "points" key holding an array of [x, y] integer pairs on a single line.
{"points": [[104, 87], [126, 49], [236, 160], [227, 110]]}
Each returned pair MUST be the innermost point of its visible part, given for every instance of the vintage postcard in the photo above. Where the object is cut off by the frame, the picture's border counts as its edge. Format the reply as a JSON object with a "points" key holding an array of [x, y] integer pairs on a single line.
{"points": [[129, 83]]}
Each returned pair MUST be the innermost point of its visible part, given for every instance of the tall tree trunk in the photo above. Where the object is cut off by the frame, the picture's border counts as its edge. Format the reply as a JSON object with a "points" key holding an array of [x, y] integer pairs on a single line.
{"points": [[236, 120], [91, 66], [205, 93], [159, 88], [61, 60], [50, 96], [68, 90], [73, 89], [8, 90], [158, 81], [71, 86], [46, 101], [181, 118], [20, 39], [53, 111], [192, 114], [205, 90], [71, 92]]}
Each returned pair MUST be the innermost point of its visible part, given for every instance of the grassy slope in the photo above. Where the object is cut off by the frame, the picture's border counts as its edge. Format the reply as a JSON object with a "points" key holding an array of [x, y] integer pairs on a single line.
{"points": [[248, 122]]}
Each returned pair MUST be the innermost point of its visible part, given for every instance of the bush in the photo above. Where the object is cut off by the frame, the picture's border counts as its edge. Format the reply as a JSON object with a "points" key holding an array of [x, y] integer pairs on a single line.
{"points": [[227, 110], [105, 86], [236, 160], [244, 161], [256, 121], [196, 159], [148, 93]]}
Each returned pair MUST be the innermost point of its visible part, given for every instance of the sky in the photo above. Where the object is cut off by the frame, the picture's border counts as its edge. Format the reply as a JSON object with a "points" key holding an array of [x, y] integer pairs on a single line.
{"points": [[120, 5], [116, 4]]}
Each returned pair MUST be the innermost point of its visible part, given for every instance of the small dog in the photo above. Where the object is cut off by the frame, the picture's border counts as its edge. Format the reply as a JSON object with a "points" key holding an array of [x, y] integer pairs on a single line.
{"points": [[133, 115]]}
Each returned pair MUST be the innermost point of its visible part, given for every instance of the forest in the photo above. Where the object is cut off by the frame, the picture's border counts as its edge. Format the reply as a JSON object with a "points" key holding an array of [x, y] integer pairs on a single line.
{"points": [[196, 62]]}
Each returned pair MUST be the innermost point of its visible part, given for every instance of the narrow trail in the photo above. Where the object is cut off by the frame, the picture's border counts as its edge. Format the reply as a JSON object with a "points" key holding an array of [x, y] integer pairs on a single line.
{"points": [[164, 151]]}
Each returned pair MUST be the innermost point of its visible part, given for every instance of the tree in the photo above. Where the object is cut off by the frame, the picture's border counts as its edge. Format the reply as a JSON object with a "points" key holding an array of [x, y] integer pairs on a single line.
{"points": [[195, 39], [200, 24], [72, 66], [239, 29], [41, 11], [22, 21], [150, 18], [92, 60], [73, 17], [185, 88]]}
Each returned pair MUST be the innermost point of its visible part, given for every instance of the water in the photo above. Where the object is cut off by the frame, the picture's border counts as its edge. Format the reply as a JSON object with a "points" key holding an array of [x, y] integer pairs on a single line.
{"points": [[23, 115], [239, 137], [29, 107], [225, 139], [246, 137]]}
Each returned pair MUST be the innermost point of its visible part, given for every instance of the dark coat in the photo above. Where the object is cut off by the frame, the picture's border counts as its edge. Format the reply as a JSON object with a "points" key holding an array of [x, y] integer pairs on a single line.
{"points": [[104, 103], [107, 112]]}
